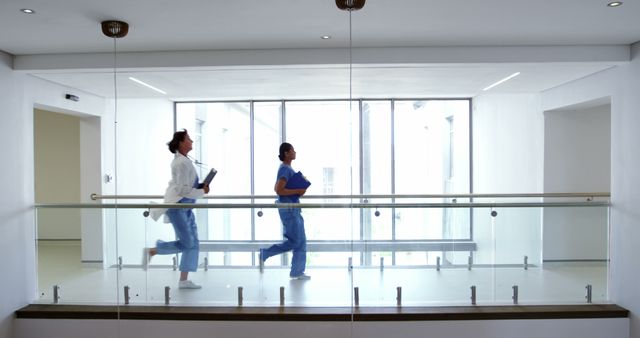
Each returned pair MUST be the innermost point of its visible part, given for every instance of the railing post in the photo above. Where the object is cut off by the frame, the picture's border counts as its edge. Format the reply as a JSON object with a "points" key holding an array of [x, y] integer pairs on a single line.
{"points": [[515, 294], [399, 296], [126, 295], [356, 296], [167, 295], [381, 264], [469, 262], [56, 294], [473, 295], [206, 264], [588, 296], [282, 296], [438, 263], [119, 262], [175, 263], [350, 264], [260, 263], [240, 296], [526, 262]]}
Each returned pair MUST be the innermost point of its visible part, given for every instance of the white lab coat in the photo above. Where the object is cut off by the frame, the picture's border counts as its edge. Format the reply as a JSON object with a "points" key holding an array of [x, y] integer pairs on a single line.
{"points": [[183, 177]]}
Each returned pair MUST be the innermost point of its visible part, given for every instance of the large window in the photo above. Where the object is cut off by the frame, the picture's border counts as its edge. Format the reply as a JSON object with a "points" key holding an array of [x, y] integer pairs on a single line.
{"points": [[380, 147], [224, 145]]}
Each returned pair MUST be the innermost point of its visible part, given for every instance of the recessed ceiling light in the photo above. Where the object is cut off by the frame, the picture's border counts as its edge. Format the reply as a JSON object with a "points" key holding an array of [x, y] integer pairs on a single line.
{"points": [[325, 37], [28, 11], [615, 4], [501, 81]]}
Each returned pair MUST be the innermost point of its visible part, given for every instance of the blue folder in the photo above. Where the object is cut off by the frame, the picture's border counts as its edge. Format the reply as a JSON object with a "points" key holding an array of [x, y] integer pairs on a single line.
{"points": [[297, 181]]}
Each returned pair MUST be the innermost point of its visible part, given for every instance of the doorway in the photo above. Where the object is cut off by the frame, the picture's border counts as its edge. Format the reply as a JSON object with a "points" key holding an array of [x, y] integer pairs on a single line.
{"points": [[67, 169]]}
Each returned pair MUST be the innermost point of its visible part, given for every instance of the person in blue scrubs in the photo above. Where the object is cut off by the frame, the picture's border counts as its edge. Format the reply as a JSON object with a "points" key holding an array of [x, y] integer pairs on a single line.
{"points": [[291, 218], [183, 188]]}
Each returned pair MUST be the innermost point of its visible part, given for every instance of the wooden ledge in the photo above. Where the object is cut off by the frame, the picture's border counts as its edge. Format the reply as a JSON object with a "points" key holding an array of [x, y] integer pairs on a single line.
{"points": [[134, 312]]}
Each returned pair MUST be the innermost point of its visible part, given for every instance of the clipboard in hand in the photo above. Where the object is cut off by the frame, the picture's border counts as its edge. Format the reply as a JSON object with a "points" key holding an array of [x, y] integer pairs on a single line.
{"points": [[207, 180]]}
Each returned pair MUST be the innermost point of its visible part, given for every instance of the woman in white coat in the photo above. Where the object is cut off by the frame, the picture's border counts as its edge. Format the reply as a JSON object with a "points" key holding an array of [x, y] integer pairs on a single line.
{"points": [[183, 188]]}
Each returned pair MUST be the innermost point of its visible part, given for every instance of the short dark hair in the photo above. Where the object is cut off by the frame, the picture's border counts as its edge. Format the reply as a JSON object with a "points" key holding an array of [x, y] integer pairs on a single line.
{"points": [[178, 137], [284, 147]]}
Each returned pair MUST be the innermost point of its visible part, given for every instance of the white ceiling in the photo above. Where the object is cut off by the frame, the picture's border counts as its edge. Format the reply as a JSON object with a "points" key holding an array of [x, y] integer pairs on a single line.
{"points": [[72, 26], [312, 83]]}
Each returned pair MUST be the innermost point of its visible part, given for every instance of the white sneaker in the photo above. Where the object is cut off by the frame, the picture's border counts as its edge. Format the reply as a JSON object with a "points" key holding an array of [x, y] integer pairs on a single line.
{"points": [[146, 258], [301, 277], [188, 284]]}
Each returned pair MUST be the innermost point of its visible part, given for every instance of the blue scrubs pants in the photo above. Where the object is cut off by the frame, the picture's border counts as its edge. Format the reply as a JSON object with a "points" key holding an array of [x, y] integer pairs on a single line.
{"points": [[184, 224], [296, 240]]}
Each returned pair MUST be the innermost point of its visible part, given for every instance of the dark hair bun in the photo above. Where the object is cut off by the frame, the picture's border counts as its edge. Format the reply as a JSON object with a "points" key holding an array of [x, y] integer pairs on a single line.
{"points": [[178, 137], [284, 147]]}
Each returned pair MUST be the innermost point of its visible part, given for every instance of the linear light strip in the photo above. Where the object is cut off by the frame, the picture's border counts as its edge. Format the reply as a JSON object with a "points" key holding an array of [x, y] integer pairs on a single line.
{"points": [[502, 81], [147, 85]]}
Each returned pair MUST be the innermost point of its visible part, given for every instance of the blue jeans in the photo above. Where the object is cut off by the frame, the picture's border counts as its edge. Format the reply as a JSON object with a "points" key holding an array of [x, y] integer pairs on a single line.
{"points": [[296, 240], [184, 224]]}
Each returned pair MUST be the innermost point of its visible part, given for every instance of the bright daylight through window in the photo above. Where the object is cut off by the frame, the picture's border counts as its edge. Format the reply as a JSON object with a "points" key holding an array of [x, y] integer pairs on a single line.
{"points": [[379, 147]]}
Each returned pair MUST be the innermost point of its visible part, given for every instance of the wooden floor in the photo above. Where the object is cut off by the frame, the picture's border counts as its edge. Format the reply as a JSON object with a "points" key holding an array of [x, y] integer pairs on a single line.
{"points": [[240, 313]]}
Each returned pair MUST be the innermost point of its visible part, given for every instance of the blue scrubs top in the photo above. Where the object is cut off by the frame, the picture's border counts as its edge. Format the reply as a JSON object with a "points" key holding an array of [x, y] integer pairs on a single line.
{"points": [[286, 172]]}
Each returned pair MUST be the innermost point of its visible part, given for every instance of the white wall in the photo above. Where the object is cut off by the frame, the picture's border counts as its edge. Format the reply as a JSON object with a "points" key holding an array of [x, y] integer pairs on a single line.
{"points": [[18, 281], [57, 173], [507, 158], [90, 108], [577, 153], [141, 123], [145, 126], [577, 158], [583, 328], [143, 160], [91, 182], [625, 182], [623, 85], [19, 95], [508, 143]]}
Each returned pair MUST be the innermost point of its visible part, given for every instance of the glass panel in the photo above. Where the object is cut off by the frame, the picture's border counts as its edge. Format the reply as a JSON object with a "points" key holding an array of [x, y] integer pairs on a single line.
{"points": [[431, 146], [140, 126], [376, 166], [325, 136], [431, 157], [570, 262], [345, 152], [574, 254], [324, 133], [71, 263], [267, 136], [223, 142]]}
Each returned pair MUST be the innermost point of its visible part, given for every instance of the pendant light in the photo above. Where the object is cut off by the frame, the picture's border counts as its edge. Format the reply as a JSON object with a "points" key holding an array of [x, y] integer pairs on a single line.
{"points": [[115, 30]]}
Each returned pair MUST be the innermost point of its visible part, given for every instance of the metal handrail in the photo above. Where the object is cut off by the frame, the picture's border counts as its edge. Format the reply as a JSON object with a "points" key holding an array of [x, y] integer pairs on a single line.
{"points": [[372, 196], [318, 205]]}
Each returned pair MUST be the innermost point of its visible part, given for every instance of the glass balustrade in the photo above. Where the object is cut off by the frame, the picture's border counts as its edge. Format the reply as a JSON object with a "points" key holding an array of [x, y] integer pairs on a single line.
{"points": [[362, 251]]}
